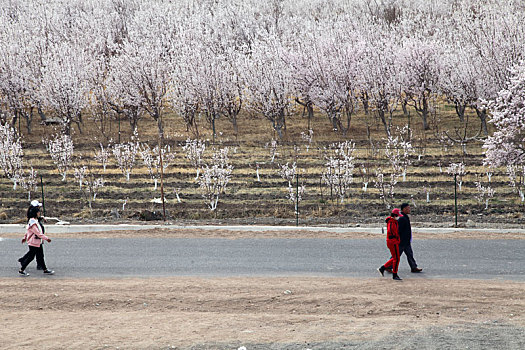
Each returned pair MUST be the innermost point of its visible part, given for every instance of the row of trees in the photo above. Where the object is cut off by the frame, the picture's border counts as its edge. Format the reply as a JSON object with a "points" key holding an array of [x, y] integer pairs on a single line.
{"points": [[66, 60]]}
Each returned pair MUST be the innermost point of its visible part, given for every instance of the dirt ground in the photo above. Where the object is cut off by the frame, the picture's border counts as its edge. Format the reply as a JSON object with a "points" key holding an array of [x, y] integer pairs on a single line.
{"points": [[209, 313], [229, 234], [261, 312]]}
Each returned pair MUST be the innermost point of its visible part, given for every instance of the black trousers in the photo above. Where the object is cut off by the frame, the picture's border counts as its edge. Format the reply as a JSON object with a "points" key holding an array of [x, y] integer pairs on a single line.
{"points": [[30, 255], [407, 249]]}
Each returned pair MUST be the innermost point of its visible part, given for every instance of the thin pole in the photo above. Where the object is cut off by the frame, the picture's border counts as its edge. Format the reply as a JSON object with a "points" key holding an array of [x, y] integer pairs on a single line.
{"points": [[43, 200], [297, 200], [162, 180], [456, 198]]}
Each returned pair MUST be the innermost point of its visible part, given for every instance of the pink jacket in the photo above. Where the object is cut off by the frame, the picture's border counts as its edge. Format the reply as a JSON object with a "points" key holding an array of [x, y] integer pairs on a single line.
{"points": [[33, 234]]}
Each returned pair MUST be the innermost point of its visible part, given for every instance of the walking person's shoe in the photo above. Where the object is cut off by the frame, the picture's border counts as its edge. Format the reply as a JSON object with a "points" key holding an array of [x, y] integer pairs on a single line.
{"points": [[416, 270], [23, 273], [49, 272], [396, 277], [381, 270]]}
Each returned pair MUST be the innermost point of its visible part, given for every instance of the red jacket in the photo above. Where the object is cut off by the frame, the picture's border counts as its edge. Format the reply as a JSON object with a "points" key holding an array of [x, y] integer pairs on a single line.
{"points": [[392, 230]]}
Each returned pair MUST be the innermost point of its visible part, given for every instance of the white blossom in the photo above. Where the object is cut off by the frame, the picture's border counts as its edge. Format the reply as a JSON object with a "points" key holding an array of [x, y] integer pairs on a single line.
{"points": [[308, 138], [386, 188], [273, 147], [80, 175], [126, 155], [215, 177], [102, 156], [516, 175], [11, 154], [339, 168], [484, 193], [458, 170], [30, 182], [151, 159], [295, 191], [194, 149], [398, 150], [61, 151], [288, 172]]}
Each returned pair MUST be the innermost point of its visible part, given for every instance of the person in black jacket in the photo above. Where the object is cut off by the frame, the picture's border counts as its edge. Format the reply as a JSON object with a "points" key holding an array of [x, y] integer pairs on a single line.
{"points": [[405, 233]]}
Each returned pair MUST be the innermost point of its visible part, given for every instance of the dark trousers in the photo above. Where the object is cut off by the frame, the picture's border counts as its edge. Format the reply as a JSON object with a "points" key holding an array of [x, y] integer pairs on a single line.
{"points": [[407, 249], [30, 255]]}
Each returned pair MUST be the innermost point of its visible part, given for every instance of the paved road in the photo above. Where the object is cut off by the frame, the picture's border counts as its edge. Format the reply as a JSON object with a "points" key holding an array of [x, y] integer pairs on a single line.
{"points": [[141, 257]]}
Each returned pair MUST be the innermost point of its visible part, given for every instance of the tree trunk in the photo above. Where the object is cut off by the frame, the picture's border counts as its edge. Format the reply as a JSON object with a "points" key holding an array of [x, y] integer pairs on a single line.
{"points": [[310, 110], [386, 124], [160, 127], [482, 115], [278, 128], [424, 113], [424, 117], [29, 119], [235, 128], [422, 109], [308, 105], [460, 110], [334, 120], [15, 118], [133, 120], [78, 121], [404, 106], [348, 113], [364, 98], [41, 114], [213, 128], [278, 122], [66, 127]]}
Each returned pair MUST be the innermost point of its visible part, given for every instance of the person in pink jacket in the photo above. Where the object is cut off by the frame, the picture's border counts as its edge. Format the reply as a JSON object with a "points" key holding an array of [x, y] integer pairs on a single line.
{"points": [[34, 237]]}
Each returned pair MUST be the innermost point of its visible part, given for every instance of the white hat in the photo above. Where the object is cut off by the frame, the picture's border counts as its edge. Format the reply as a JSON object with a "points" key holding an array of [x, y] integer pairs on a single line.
{"points": [[36, 203]]}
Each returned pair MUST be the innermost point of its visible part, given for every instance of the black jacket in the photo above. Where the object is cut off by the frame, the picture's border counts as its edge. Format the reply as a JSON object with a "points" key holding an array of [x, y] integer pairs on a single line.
{"points": [[405, 230], [41, 223]]}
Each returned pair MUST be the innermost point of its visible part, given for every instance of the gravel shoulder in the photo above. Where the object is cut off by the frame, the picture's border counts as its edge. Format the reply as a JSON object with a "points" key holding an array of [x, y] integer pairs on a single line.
{"points": [[273, 232], [260, 313]]}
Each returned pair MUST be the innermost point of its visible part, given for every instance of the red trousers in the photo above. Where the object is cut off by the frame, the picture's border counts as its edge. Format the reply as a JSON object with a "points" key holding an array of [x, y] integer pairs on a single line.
{"points": [[393, 263]]}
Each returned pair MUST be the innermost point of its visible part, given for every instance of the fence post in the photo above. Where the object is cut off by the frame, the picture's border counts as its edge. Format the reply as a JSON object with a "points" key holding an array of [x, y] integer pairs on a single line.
{"points": [[162, 180], [43, 199], [296, 199], [456, 198]]}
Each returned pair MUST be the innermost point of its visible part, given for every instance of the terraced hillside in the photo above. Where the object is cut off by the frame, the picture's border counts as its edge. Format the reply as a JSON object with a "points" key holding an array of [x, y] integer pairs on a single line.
{"points": [[247, 200]]}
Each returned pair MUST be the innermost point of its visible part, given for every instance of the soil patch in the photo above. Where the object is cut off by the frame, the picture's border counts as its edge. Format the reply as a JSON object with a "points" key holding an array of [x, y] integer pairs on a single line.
{"points": [[186, 312], [233, 234]]}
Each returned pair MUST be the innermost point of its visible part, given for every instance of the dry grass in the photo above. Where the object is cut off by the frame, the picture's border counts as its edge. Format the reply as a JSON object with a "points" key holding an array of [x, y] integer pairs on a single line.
{"points": [[249, 199]]}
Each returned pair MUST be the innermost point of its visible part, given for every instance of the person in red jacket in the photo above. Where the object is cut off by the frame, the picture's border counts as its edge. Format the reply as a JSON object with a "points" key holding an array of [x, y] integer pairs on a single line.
{"points": [[392, 242]]}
